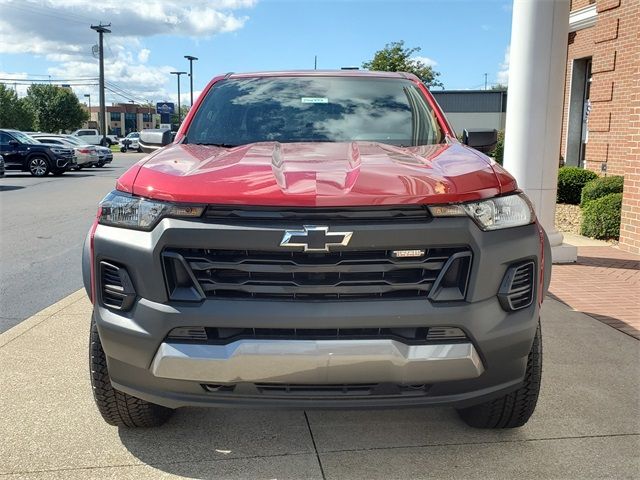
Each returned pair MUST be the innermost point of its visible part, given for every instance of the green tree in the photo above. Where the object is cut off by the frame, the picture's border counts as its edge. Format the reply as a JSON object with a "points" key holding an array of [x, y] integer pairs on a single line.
{"points": [[184, 109], [14, 111], [55, 108], [499, 86], [395, 57]]}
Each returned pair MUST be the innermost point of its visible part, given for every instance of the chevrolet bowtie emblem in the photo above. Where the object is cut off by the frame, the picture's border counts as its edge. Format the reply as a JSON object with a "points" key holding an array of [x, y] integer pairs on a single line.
{"points": [[315, 238]]}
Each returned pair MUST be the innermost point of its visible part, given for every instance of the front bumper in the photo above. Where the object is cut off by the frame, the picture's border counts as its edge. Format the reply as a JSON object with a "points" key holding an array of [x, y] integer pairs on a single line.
{"points": [[66, 161], [107, 158], [317, 362], [144, 363]]}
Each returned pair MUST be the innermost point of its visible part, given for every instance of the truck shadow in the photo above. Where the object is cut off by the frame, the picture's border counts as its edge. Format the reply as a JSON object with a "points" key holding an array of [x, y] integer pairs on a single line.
{"points": [[236, 443], [8, 188]]}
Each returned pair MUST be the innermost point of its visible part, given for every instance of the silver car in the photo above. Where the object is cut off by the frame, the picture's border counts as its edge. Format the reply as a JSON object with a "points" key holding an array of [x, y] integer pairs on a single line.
{"points": [[86, 155]]}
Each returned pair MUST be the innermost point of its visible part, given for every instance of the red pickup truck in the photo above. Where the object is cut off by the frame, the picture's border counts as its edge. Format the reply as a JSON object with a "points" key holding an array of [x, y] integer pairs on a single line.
{"points": [[316, 239]]}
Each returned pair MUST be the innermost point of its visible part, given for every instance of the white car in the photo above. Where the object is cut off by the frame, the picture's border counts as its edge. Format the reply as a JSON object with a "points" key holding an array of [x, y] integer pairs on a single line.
{"points": [[93, 137], [133, 138], [86, 155]]}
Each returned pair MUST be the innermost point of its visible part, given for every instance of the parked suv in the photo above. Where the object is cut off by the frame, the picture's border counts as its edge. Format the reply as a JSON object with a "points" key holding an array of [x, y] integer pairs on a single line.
{"points": [[22, 152], [316, 239]]}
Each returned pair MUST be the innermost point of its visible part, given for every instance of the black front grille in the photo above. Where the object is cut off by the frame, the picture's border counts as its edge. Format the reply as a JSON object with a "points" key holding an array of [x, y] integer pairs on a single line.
{"points": [[316, 214], [407, 335], [315, 391], [343, 275]]}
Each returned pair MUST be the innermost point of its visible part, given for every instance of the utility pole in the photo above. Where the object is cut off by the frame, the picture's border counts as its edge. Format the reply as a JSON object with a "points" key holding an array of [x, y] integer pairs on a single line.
{"points": [[102, 29], [315, 62], [485, 81], [191, 59], [177, 74]]}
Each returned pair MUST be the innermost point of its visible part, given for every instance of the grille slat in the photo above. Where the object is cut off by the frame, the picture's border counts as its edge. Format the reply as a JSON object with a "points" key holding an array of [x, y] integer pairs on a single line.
{"points": [[296, 275]]}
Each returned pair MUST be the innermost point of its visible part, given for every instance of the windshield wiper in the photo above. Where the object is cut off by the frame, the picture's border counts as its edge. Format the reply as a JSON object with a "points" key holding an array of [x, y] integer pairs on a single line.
{"points": [[223, 145]]}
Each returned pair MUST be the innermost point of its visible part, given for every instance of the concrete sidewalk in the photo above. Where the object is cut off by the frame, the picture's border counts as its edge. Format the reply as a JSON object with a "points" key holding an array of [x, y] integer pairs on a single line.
{"points": [[587, 424]]}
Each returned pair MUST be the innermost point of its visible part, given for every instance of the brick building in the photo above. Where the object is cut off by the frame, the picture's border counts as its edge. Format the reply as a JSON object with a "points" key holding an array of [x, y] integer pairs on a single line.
{"points": [[601, 120], [124, 118]]}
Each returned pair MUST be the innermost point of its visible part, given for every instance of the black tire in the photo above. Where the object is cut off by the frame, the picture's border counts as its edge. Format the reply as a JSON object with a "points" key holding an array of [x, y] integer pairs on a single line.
{"points": [[38, 166], [118, 408], [123, 150], [100, 164], [515, 409]]}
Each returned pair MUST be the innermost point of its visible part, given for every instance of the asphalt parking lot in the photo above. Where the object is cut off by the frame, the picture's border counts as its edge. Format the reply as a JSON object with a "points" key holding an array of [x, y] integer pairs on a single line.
{"points": [[43, 223], [587, 424]]}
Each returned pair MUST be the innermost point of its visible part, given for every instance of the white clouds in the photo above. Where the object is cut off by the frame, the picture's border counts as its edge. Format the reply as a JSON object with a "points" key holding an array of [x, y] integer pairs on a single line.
{"points": [[503, 72], [426, 60], [143, 55], [59, 31]]}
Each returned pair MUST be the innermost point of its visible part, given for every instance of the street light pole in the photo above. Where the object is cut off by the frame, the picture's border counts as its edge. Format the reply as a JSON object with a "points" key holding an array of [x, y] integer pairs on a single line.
{"points": [[101, 29], [191, 59], [88, 95], [177, 74]]}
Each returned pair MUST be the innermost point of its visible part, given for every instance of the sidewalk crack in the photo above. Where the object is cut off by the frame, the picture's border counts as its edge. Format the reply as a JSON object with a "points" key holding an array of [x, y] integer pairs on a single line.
{"points": [[315, 448]]}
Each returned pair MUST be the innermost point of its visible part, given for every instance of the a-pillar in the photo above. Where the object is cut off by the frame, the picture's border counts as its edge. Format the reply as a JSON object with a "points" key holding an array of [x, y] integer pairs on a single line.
{"points": [[537, 64]]}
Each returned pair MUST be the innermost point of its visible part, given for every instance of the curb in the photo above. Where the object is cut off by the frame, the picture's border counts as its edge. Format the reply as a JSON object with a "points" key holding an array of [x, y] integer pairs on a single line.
{"points": [[35, 320]]}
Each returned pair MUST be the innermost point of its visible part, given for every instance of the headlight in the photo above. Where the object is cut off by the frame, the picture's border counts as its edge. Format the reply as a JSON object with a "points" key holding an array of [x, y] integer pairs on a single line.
{"points": [[57, 151], [119, 209], [492, 214]]}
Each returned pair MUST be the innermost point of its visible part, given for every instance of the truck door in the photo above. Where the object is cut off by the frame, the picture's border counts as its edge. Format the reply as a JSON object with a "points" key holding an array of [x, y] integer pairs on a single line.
{"points": [[11, 150]]}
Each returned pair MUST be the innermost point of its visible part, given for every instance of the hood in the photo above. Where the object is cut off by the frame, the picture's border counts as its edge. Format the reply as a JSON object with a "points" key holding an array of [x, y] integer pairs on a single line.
{"points": [[314, 174]]}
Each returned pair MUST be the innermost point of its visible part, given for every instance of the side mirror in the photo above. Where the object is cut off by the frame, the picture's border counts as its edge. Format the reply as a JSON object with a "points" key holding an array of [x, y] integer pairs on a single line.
{"points": [[483, 140], [154, 138]]}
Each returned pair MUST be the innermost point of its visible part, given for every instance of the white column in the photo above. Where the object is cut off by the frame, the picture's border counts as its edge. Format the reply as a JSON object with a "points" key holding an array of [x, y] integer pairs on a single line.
{"points": [[537, 64]]}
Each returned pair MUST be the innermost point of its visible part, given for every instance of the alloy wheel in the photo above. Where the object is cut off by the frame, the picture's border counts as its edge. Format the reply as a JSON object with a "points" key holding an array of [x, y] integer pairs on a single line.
{"points": [[38, 167]]}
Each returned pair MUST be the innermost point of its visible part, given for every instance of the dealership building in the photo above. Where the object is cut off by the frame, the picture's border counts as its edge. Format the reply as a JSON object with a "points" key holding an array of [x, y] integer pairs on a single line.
{"points": [[601, 115], [124, 118]]}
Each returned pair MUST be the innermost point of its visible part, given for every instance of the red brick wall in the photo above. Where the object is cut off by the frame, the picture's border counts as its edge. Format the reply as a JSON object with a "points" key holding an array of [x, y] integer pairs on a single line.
{"points": [[614, 122]]}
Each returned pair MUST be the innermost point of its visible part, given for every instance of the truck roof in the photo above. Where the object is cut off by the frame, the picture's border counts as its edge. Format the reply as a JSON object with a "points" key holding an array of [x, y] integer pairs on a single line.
{"points": [[324, 73]]}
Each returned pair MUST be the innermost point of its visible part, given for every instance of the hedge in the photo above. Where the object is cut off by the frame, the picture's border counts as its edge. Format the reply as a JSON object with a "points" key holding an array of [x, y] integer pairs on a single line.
{"points": [[600, 187], [601, 217], [571, 180], [498, 152]]}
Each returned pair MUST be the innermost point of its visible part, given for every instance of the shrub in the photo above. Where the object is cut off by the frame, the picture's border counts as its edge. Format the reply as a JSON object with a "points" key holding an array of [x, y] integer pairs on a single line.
{"points": [[601, 217], [498, 151], [571, 180], [600, 187]]}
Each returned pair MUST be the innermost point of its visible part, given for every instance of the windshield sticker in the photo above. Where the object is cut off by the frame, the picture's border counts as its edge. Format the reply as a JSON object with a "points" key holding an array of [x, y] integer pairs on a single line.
{"points": [[314, 100]]}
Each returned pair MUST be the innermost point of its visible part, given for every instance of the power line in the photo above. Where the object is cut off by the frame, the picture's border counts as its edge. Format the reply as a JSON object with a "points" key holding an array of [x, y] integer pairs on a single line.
{"points": [[46, 82], [131, 95], [47, 12], [50, 79]]}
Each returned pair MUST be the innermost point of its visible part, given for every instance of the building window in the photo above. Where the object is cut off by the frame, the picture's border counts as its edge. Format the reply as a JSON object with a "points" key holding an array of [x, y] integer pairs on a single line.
{"points": [[115, 116], [146, 117]]}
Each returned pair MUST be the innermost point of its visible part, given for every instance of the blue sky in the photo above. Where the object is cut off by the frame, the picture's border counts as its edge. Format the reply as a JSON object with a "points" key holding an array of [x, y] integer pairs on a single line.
{"points": [[465, 39]]}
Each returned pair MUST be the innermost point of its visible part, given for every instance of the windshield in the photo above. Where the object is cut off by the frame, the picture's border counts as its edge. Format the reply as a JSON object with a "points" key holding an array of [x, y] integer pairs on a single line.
{"points": [[73, 140], [314, 109], [24, 138]]}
